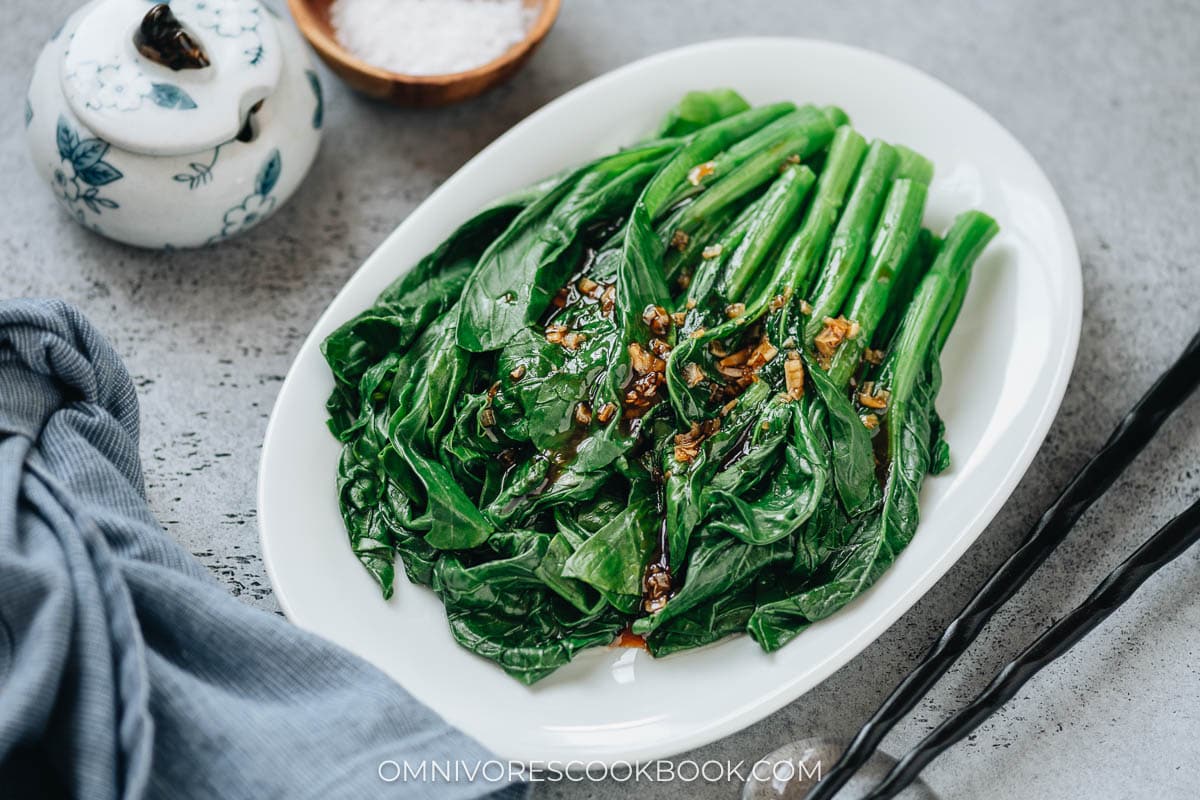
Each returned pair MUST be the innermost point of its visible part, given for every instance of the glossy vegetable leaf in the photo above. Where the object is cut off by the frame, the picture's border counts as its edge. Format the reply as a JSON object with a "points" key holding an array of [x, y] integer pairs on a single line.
{"points": [[501, 610], [405, 308], [601, 403], [704, 624], [612, 560], [717, 564], [524, 268], [770, 492], [880, 537], [699, 109], [853, 456]]}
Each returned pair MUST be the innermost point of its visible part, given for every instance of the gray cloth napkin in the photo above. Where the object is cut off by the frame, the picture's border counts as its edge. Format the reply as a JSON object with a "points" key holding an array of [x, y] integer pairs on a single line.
{"points": [[126, 671]]}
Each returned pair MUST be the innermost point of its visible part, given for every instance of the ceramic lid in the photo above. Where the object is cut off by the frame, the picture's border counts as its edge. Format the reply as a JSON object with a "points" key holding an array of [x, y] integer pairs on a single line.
{"points": [[136, 103]]}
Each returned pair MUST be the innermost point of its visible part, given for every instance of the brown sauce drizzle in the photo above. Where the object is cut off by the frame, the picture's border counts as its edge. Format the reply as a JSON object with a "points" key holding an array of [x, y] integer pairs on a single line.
{"points": [[657, 581], [556, 460], [627, 638], [594, 237], [545, 483], [879, 443], [740, 448]]}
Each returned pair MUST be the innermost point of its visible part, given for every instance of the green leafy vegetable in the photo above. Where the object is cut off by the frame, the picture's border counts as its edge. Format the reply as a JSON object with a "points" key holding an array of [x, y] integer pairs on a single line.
{"points": [[700, 109], [683, 391]]}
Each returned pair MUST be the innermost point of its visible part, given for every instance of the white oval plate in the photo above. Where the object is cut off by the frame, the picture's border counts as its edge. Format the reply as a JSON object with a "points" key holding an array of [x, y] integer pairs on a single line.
{"points": [[1006, 368]]}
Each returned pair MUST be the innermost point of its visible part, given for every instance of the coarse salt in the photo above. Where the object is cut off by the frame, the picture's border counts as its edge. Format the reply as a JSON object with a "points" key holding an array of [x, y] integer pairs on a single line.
{"points": [[430, 37]]}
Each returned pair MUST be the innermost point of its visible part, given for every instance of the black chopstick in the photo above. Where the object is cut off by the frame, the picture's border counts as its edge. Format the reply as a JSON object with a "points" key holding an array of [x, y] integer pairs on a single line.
{"points": [[1132, 434], [1159, 550]]}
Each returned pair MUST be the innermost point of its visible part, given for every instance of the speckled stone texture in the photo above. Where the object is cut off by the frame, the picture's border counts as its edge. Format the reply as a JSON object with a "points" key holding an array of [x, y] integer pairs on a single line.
{"points": [[1107, 97]]}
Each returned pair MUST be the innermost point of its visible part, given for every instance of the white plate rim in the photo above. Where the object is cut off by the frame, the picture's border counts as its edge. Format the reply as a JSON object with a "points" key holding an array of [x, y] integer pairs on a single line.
{"points": [[769, 701]]}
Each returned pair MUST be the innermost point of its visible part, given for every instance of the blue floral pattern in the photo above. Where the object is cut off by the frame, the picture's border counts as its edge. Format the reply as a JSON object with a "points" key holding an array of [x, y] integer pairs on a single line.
{"points": [[200, 173], [233, 19], [28, 112], [168, 95], [83, 171], [119, 86], [124, 87], [229, 18], [256, 206], [319, 113], [253, 210]]}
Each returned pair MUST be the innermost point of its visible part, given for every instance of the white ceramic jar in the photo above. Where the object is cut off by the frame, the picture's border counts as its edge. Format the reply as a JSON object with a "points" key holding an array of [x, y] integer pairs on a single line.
{"points": [[179, 128]]}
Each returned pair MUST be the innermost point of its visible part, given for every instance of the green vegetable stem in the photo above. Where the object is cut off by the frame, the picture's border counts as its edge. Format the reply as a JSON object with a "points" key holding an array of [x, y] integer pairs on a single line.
{"points": [[683, 391]]}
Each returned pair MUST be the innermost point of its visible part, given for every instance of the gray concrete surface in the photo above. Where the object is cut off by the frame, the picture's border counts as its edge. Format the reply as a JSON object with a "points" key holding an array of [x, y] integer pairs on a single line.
{"points": [[1107, 97]]}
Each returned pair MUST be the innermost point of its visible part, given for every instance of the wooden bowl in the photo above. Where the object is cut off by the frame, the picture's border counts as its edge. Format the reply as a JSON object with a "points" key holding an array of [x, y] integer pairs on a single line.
{"points": [[312, 17]]}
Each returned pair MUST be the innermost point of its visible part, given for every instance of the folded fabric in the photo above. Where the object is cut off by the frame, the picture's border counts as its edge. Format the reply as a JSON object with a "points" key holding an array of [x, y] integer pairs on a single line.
{"points": [[126, 671]]}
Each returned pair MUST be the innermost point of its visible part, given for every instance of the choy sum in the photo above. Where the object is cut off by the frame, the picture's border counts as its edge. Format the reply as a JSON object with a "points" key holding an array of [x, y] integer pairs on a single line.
{"points": [[683, 391]]}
